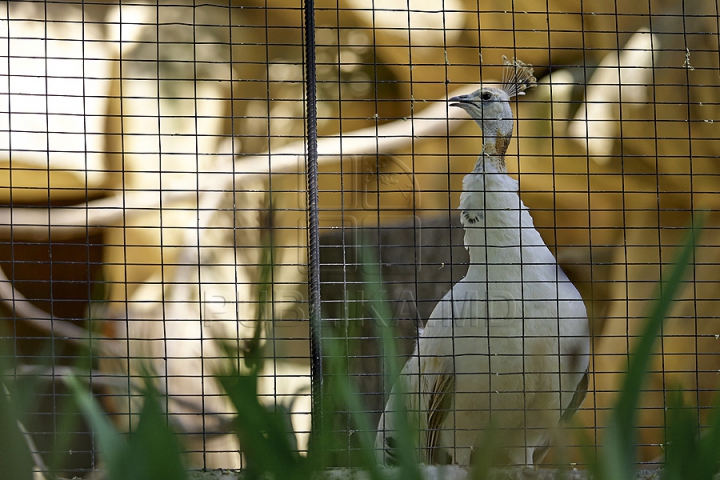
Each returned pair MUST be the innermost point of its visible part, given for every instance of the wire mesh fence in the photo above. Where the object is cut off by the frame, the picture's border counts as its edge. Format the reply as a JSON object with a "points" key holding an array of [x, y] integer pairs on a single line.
{"points": [[155, 218]]}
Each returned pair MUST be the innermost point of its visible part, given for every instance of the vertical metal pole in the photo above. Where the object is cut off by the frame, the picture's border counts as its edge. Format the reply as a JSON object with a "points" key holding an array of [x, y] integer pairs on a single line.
{"points": [[313, 220]]}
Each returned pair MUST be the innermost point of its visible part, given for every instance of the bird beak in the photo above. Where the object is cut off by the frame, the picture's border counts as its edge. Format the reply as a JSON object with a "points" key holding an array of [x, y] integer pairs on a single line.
{"points": [[459, 101]]}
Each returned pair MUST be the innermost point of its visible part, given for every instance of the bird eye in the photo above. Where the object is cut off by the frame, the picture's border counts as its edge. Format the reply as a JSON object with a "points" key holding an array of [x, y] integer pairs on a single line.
{"points": [[486, 96]]}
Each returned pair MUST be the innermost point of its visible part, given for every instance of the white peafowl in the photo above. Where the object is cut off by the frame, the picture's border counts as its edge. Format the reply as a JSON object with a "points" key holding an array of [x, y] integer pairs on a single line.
{"points": [[506, 350]]}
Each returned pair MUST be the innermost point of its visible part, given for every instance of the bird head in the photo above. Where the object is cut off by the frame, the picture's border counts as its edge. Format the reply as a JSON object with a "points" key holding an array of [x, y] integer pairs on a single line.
{"points": [[490, 106], [486, 103]]}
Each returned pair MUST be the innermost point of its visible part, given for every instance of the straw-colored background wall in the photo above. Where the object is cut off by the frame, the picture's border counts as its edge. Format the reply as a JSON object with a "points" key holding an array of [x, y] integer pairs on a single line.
{"points": [[177, 133]]}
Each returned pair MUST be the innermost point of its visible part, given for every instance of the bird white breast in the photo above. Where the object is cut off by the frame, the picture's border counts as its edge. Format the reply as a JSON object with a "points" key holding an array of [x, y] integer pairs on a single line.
{"points": [[515, 327]]}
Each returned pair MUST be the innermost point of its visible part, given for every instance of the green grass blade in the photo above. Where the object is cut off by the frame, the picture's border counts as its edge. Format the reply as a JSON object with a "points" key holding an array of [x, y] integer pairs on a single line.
{"points": [[690, 452], [484, 456], [15, 459], [375, 295], [263, 431], [620, 438], [351, 399], [112, 444], [681, 444], [710, 440], [68, 423], [154, 450]]}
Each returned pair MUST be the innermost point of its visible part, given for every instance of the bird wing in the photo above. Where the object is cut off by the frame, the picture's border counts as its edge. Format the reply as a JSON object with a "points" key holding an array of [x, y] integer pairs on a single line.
{"points": [[440, 404], [439, 388]]}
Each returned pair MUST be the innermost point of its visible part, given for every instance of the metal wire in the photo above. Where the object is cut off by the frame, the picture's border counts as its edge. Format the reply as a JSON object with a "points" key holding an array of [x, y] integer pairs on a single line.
{"points": [[313, 218]]}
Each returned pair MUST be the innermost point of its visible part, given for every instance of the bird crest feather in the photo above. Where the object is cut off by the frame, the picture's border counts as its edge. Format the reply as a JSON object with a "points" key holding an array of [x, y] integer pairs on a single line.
{"points": [[517, 77]]}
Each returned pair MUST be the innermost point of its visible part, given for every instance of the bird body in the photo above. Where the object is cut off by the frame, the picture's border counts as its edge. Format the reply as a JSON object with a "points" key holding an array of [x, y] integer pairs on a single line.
{"points": [[507, 347]]}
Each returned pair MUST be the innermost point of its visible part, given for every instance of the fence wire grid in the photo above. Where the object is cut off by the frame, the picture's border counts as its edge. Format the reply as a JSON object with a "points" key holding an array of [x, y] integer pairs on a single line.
{"points": [[154, 171]]}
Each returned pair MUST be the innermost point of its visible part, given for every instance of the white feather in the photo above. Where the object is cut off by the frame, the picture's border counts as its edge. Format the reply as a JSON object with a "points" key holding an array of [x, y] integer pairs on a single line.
{"points": [[512, 336]]}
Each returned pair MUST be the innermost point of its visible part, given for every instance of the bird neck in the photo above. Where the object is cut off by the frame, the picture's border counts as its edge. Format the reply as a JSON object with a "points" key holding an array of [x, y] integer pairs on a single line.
{"points": [[497, 133], [496, 221], [492, 194]]}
